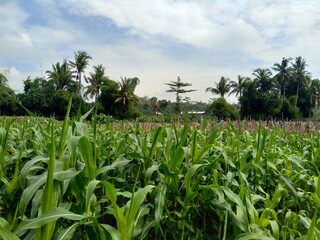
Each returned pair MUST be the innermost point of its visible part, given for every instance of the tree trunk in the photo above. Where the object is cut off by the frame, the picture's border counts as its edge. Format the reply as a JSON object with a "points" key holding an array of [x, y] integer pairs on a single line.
{"points": [[297, 96]]}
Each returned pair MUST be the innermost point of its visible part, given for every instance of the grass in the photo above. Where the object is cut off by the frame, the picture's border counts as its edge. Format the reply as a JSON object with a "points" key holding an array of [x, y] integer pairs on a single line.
{"points": [[84, 180]]}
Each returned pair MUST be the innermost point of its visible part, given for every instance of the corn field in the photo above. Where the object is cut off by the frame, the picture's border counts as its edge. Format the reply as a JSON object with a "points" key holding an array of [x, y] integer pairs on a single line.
{"points": [[79, 180]]}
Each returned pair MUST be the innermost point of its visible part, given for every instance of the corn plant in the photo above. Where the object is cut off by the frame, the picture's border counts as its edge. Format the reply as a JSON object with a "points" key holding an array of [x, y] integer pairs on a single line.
{"points": [[79, 179]]}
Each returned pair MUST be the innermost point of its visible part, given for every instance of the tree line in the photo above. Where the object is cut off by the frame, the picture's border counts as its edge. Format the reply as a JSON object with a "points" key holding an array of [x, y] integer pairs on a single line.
{"points": [[49, 96], [286, 90]]}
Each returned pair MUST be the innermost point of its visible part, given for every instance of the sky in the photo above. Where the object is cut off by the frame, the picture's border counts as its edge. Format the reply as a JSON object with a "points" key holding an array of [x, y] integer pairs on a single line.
{"points": [[159, 40]]}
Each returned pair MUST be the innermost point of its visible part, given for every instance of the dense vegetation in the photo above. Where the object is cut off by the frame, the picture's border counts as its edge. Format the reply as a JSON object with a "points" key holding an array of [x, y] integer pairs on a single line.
{"points": [[80, 180], [289, 93]]}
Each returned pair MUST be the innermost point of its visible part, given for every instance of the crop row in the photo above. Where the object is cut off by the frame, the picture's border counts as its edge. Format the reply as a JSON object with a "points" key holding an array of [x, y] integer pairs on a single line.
{"points": [[78, 180]]}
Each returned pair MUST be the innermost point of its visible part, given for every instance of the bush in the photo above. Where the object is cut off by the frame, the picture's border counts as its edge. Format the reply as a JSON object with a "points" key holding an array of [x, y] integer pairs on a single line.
{"points": [[223, 110], [289, 111]]}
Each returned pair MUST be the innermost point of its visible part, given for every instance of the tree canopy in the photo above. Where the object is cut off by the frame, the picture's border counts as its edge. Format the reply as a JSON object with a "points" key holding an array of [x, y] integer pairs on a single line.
{"points": [[285, 90], [178, 87]]}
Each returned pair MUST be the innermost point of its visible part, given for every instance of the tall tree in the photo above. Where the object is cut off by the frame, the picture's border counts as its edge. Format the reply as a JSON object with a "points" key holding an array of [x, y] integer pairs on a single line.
{"points": [[264, 81], [96, 80], [3, 79], [221, 88], [315, 92], [283, 72], [237, 87], [178, 88], [38, 96], [8, 105], [61, 75], [126, 94], [300, 74], [80, 64]]}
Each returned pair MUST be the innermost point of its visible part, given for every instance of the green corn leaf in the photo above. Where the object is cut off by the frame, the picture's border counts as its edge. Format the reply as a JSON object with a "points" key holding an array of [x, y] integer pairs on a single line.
{"points": [[240, 216], [155, 142], [253, 236], [72, 146], [139, 221], [312, 227], [149, 173], [290, 185], [177, 159], [63, 135], [14, 184], [85, 150], [90, 189], [194, 145], [5, 234], [182, 139], [29, 192], [200, 153], [84, 116], [275, 229], [82, 129], [137, 200], [48, 200], [159, 204], [67, 234], [118, 214], [50, 216], [114, 233], [27, 167]]}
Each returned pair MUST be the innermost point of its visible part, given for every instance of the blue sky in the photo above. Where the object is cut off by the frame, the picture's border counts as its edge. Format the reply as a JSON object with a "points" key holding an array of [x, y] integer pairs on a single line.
{"points": [[159, 40]]}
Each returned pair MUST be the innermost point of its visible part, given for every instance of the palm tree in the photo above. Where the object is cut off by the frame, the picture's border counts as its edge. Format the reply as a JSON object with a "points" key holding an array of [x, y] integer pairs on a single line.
{"points": [[221, 88], [80, 64], [299, 73], [283, 74], [237, 87], [97, 79], [126, 94], [3, 79], [60, 75], [264, 80], [315, 92]]}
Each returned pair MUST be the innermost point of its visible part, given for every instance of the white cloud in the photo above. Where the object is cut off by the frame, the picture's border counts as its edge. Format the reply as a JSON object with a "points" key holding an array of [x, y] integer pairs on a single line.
{"points": [[14, 77], [198, 23], [222, 38]]}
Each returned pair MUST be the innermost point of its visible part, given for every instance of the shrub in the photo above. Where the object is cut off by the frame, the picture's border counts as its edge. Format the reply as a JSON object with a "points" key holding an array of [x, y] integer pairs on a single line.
{"points": [[223, 110]]}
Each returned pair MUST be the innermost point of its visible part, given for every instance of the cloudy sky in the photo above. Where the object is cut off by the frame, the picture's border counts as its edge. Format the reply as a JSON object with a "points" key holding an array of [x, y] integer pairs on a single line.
{"points": [[159, 40]]}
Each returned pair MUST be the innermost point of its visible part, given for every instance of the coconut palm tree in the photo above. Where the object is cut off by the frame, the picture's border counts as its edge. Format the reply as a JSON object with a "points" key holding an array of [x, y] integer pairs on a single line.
{"points": [[96, 80], [299, 74], [264, 80], [283, 74], [237, 87], [60, 75], [3, 79], [79, 65], [126, 94], [221, 88]]}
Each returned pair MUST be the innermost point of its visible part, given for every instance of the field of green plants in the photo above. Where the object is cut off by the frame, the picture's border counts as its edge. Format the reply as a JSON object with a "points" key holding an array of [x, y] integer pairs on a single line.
{"points": [[80, 180]]}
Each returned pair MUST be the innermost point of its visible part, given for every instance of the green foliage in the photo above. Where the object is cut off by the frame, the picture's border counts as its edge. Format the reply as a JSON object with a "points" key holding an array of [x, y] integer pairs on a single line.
{"points": [[223, 110], [8, 106], [79, 65], [289, 111], [79, 180], [97, 80], [119, 100], [260, 99], [221, 88], [178, 87]]}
